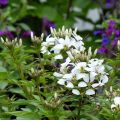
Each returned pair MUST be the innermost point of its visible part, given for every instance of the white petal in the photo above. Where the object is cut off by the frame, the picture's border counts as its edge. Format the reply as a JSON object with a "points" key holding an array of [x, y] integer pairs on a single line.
{"points": [[61, 81], [32, 35], [57, 47], [104, 79], [81, 64], [67, 41], [113, 106], [56, 74], [68, 76], [86, 78], [90, 92], [58, 57], [95, 85], [70, 55], [50, 39], [117, 100], [101, 69], [69, 85], [61, 41], [80, 75], [92, 76], [56, 51], [82, 84], [68, 60], [76, 92]]}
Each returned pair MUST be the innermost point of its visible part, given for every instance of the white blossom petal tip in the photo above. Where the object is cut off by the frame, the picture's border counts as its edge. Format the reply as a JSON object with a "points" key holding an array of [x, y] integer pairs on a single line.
{"points": [[90, 92], [76, 92], [82, 84], [69, 85]]}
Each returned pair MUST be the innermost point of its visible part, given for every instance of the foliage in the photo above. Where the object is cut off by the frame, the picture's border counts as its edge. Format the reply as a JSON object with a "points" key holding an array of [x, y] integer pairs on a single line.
{"points": [[59, 75]]}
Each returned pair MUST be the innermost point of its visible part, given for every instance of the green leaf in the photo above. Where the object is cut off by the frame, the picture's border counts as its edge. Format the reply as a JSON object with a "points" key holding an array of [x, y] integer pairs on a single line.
{"points": [[25, 115], [3, 84], [24, 26]]}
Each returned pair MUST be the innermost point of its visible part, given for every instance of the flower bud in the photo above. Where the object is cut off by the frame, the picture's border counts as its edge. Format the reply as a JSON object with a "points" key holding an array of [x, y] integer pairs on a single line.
{"points": [[118, 46]]}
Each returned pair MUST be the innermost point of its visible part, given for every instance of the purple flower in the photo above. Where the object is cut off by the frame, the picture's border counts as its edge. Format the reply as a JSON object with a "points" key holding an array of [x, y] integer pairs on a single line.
{"points": [[7, 33], [2, 33], [105, 41], [108, 1], [110, 31], [114, 43], [3, 3], [117, 33], [98, 32], [26, 34], [108, 5], [103, 50], [47, 23], [111, 24]]}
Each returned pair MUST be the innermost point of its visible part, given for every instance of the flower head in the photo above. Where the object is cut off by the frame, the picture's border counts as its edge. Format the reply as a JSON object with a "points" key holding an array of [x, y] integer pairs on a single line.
{"points": [[3, 3], [61, 41], [116, 105], [110, 36]]}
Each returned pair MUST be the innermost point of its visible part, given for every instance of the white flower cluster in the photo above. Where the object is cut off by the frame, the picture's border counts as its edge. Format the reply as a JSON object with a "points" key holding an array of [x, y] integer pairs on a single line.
{"points": [[116, 105], [82, 76], [80, 71], [60, 41]]}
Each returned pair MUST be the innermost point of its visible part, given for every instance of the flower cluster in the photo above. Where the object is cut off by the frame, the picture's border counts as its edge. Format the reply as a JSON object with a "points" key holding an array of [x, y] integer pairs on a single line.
{"points": [[82, 77], [12, 43], [81, 71], [60, 41], [116, 105], [110, 37]]}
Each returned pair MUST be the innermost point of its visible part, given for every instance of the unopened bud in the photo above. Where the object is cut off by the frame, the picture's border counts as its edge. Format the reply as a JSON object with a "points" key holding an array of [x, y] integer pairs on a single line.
{"points": [[55, 95], [118, 45], [32, 35], [20, 42], [2, 40]]}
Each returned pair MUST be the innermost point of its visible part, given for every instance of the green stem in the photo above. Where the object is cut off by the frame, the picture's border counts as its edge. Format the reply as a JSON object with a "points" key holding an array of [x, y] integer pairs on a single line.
{"points": [[20, 71], [79, 107], [68, 8], [19, 66]]}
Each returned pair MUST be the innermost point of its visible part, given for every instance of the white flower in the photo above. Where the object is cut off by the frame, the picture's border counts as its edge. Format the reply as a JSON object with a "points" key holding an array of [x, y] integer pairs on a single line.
{"points": [[76, 92], [117, 100], [49, 42], [104, 79], [62, 43], [69, 85], [90, 92], [94, 14], [58, 57], [116, 103], [65, 65], [82, 84], [62, 40], [83, 25], [61, 81], [80, 71], [56, 74]]}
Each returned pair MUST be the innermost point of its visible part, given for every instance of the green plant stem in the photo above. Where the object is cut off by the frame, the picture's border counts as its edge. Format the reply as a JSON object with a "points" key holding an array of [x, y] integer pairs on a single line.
{"points": [[19, 66], [68, 8], [20, 70], [79, 107]]}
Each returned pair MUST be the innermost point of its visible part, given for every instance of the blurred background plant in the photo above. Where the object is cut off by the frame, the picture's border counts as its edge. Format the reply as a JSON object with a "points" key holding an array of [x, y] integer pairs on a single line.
{"points": [[28, 89]]}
